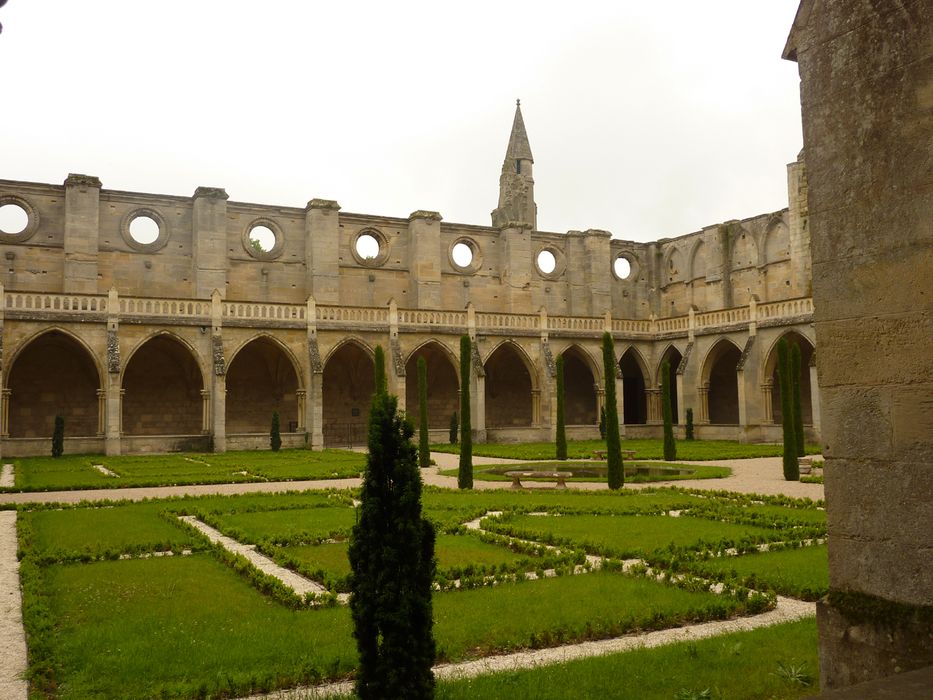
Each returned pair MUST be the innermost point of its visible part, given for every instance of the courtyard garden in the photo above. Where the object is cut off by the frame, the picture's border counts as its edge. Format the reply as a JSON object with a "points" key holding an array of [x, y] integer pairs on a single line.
{"points": [[128, 600]]}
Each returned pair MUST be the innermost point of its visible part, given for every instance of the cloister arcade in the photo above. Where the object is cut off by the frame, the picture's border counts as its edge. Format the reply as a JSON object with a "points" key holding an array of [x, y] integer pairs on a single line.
{"points": [[167, 395]]}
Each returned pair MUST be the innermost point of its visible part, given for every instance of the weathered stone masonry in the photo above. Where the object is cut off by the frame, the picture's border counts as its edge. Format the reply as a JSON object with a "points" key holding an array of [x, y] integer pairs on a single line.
{"points": [[193, 339]]}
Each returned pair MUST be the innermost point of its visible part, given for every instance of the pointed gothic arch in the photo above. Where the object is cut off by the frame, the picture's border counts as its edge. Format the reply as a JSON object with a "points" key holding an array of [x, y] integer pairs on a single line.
{"points": [[53, 373], [635, 382], [581, 404], [510, 383], [770, 371], [263, 378], [162, 388], [720, 379], [443, 384], [347, 389], [674, 357]]}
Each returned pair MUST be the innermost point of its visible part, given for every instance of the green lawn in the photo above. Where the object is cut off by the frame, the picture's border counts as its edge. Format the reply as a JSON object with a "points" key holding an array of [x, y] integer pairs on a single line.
{"points": [[291, 526], [774, 663], [687, 450], [193, 626], [105, 532], [633, 471], [77, 472], [627, 536], [798, 572]]}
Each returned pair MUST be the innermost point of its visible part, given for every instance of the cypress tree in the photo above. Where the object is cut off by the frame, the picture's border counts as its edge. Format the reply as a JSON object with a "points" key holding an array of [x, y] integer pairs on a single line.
{"points": [[58, 437], [275, 437], [791, 469], [454, 427], [465, 474], [424, 453], [392, 562], [379, 360], [670, 446], [688, 433], [795, 399], [561, 429], [613, 444], [602, 422]]}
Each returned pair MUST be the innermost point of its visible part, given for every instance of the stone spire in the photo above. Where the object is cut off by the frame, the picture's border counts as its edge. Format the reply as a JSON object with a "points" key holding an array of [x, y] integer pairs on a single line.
{"points": [[516, 183]]}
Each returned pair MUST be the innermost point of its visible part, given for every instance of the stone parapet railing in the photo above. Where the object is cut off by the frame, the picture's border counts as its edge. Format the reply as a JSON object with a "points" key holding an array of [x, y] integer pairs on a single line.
{"points": [[31, 305]]}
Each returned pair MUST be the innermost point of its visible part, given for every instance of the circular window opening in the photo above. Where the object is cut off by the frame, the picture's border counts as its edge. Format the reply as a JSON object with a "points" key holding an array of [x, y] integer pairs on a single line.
{"points": [[261, 239], [367, 247], [144, 230], [622, 268], [462, 255], [547, 263], [13, 219]]}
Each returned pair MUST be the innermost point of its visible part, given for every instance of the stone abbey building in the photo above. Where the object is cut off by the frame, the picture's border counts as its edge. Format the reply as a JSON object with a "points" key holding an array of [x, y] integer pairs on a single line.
{"points": [[190, 337]]}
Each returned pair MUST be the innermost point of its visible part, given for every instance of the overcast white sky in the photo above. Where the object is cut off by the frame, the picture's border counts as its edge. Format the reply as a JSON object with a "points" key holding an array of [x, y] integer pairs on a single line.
{"points": [[649, 119]]}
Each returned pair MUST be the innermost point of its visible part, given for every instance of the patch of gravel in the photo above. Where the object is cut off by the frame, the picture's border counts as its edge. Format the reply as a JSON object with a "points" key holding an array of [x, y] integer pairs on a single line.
{"points": [[12, 634], [7, 478], [296, 582], [106, 472]]}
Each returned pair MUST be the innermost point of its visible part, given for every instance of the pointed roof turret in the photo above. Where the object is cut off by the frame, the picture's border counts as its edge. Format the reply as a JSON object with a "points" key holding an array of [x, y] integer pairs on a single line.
{"points": [[519, 148]]}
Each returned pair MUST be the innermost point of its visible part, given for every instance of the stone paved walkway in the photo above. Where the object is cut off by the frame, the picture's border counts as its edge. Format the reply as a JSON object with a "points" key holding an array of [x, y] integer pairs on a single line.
{"points": [[759, 475], [12, 635]]}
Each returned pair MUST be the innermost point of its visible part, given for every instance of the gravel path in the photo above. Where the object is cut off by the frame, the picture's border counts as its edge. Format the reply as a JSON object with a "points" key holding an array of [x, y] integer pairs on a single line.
{"points": [[7, 478], [12, 635], [787, 610], [296, 582]]}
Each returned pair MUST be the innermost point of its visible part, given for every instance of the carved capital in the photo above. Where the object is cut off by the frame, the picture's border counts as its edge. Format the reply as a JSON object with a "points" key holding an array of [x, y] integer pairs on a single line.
{"points": [[217, 352]]}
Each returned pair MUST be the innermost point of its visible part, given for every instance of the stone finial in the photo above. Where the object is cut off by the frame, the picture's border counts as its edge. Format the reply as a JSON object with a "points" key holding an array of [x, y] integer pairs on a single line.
{"points": [[211, 192], [425, 214], [329, 204], [78, 180]]}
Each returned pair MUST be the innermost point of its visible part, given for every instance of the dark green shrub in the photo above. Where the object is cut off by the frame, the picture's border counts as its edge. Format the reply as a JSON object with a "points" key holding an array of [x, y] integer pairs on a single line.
{"points": [[58, 437], [616, 471], [392, 562], [465, 472], [670, 446], [785, 367], [688, 432], [424, 452], [795, 399], [561, 428], [275, 437], [454, 427]]}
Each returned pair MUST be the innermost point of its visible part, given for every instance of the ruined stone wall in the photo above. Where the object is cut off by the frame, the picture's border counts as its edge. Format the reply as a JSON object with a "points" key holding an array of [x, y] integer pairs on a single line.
{"points": [[866, 70]]}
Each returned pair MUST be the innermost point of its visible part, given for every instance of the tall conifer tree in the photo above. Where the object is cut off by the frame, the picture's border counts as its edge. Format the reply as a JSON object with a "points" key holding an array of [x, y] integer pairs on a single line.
{"points": [[670, 446], [791, 469], [465, 473], [424, 452], [561, 429], [613, 444], [795, 396], [392, 562]]}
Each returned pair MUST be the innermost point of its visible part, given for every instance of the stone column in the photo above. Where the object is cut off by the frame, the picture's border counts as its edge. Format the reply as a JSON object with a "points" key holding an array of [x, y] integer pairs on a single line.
{"points": [[865, 74], [301, 396], [681, 417], [209, 241], [654, 405], [218, 390], [620, 404], [768, 412], [596, 273], [424, 260], [314, 411], [322, 248], [82, 232], [205, 411], [516, 265], [536, 408], [743, 402], [815, 402], [6, 395], [101, 412], [703, 403], [113, 408]]}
